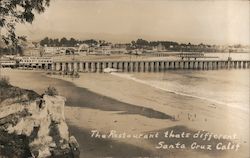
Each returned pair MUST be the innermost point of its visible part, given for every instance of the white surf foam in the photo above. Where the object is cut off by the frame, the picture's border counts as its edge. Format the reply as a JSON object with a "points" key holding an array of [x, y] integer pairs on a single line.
{"points": [[130, 77]]}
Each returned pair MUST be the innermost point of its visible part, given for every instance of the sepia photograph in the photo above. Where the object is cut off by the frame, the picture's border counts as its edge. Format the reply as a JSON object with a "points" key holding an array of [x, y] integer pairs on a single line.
{"points": [[124, 78]]}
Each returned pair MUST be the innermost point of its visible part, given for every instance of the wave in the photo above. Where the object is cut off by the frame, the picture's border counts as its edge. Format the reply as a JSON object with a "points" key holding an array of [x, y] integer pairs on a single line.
{"points": [[130, 77]]}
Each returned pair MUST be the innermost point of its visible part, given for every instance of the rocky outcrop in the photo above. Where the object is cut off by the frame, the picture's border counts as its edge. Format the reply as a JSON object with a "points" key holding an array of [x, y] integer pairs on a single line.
{"points": [[35, 127]]}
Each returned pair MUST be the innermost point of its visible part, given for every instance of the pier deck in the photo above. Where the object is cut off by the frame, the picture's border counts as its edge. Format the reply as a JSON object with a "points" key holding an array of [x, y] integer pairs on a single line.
{"points": [[147, 65]]}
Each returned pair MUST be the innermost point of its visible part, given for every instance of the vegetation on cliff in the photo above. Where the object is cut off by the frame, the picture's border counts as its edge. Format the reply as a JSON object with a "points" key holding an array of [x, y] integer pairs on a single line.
{"points": [[8, 91], [32, 125]]}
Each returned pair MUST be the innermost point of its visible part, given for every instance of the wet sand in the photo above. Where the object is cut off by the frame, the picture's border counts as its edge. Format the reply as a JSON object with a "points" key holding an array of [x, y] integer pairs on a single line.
{"points": [[105, 102]]}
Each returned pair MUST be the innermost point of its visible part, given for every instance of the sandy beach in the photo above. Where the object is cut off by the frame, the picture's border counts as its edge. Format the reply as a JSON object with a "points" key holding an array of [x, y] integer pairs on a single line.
{"points": [[105, 102]]}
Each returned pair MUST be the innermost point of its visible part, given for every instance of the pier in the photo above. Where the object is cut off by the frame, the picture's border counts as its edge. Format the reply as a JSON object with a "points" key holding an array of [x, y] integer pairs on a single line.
{"points": [[148, 66]]}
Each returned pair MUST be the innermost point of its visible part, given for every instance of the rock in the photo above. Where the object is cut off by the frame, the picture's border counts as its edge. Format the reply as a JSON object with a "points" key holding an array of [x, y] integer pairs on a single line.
{"points": [[35, 128], [74, 146]]}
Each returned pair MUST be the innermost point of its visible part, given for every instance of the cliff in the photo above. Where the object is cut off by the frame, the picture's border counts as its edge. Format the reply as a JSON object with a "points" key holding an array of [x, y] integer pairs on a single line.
{"points": [[33, 125]]}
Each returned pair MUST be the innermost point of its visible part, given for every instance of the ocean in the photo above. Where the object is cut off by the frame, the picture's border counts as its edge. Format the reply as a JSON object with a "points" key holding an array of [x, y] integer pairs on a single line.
{"points": [[227, 87]]}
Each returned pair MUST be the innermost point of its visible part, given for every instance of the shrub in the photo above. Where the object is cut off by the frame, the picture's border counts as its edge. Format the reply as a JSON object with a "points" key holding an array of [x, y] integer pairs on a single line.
{"points": [[51, 91], [4, 81]]}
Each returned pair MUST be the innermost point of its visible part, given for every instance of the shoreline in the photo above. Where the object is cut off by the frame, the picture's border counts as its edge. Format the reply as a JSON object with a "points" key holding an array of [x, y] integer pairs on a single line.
{"points": [[129, 77]]}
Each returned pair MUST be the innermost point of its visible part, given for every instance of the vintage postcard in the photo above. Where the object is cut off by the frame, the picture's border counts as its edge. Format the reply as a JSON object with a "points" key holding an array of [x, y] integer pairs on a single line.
{"points": [[124, 78]]}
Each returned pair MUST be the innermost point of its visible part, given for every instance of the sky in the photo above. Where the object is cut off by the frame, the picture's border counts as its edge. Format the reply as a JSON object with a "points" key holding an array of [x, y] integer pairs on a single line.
{"points": [[195, 21]]}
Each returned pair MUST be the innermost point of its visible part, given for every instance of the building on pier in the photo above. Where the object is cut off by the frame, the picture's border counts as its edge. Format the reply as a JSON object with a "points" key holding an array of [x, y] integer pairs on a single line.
{"points": [[7, 63], [35, 62]]}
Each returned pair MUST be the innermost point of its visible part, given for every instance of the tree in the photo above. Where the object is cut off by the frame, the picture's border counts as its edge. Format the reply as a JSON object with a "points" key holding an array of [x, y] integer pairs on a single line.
{"points": [[63, 41], [90, 42], [44, 42], [72, 42], [41, 51], [51, 91], [56, 42], [133, 43], [18, 11], [141, 42]]}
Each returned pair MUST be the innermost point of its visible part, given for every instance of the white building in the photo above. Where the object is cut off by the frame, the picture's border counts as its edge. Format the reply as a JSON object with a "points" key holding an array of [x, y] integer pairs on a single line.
{"points": [[7, 62], [35, 62], [83, 49]]}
